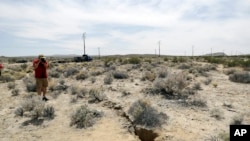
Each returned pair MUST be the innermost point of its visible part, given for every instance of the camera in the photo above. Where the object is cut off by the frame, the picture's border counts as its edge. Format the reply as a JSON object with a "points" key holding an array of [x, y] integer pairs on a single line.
{"points": [[43, 60]]}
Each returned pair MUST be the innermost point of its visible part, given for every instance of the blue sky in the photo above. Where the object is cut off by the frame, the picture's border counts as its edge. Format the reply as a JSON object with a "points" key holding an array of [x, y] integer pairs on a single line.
{"points": [[32, 27]]}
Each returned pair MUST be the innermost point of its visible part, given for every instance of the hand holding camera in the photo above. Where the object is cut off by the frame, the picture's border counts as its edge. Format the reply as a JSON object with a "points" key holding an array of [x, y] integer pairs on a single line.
{"points": [[43, 60]]}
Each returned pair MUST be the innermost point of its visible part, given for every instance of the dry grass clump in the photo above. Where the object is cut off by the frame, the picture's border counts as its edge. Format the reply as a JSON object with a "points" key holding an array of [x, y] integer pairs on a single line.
{"points": [[49, 112], [58, 87], [163, 73], [11, 85], [150, 76], [30, 84], [144, 114], [79, 92], [95, 96], [134, 60], [82, 76], [54, 73], [97, 71], [120, 75], [108, 79], [217, 114], [15, 92], [84, 117], [229, 71], [185, 66], [6, 78], [207, 81], [197, 86], [240, 76], [70, 72], [194, 102], [202, 70]]}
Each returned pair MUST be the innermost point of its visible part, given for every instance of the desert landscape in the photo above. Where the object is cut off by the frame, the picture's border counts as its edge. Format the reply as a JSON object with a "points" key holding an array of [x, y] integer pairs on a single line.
{"points": [[126, 98]]}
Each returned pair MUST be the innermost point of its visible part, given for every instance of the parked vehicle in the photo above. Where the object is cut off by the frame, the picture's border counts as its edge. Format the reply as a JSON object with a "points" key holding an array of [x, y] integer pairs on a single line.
{"points": [[83, 58]]}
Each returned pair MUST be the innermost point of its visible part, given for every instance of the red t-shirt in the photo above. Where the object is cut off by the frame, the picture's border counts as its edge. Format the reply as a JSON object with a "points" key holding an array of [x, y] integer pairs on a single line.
{"points": [[41, 70], [1, 66]]}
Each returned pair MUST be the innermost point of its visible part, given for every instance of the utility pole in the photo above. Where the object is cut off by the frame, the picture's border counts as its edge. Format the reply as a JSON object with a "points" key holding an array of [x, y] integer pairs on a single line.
{"points": [[192, 51], [159, 48], [155, 52], [211, 52], [99, 53], [84, 36]]}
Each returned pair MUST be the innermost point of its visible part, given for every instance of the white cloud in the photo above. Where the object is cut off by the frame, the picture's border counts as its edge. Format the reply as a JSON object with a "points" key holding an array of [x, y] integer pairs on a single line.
{"points": [[114, 24]]}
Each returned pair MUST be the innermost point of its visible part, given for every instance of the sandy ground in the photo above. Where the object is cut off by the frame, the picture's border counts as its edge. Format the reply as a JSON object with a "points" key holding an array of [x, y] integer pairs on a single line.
{"points": [[184, 123]]}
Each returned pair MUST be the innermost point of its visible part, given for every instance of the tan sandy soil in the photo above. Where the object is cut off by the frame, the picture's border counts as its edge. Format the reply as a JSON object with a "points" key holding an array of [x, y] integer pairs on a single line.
{"points": [[184, 123]]}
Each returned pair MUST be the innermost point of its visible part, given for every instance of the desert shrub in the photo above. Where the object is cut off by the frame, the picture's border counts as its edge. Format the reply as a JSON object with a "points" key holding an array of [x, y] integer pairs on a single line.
{"points": [[55, 94], [31, 87], [197, 86], [82, 76], [207, 81], [108, 79], [215, 60], [70, 72], [134, 60], [178, 59], [230, 71], [150, 76], [215, 85], [148, 60], [11, 85], [59, 87], [96, 73], [217, 114], [173, 83], [82, 93], [73, 99], [163, 73], [83, 117], [79, 92], [19, 111], [165, 59], [109, 61], [36, 109], [36, 113], [74, 90], [145, 115], [195, 102], [49, 112], [237, 120], [30, 104], [15, 92], [30, 84], [24, 66], [240, 76], [54, 74], [92, 79], [95, 95], [120, 75], [6, 78], [184, 66]]}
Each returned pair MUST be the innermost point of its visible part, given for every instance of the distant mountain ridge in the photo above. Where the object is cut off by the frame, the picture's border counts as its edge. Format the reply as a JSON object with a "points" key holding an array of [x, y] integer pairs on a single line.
{"points": [[216, 54]]}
